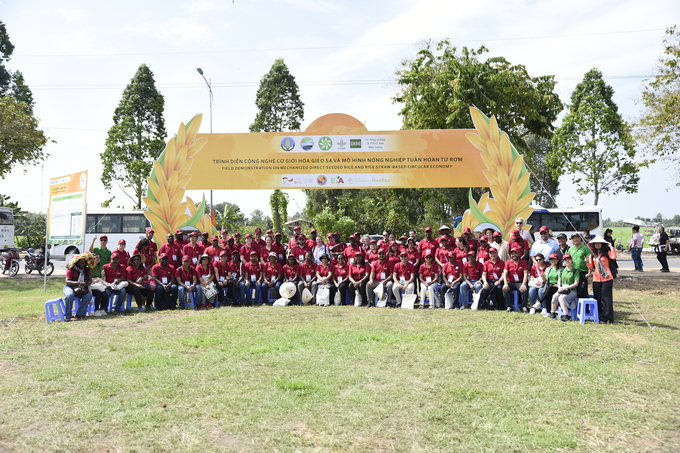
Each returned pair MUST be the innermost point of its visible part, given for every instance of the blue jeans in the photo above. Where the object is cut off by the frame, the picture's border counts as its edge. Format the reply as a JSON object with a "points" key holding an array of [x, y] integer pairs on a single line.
{"points": [[465, 290], [121, 298], [69, 297], [181, 291], [637, 258], [265, 292], [454, 291], [166, 300], [534, 294]]}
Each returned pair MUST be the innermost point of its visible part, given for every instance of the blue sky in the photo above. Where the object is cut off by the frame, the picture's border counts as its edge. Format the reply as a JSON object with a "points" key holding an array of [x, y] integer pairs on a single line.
{"points": [[78, 56]]}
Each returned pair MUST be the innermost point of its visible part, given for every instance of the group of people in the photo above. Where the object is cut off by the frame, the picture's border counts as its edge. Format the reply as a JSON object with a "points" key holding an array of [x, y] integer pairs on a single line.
{"points": [[484, 272]]}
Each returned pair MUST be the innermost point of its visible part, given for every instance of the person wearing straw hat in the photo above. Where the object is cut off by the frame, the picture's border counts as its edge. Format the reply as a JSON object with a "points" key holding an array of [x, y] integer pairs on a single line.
{"points": [[381, 272], [206, 277], [138, 283], [78, 281], [599, 268], [166, 289], [403, 275], [272, 274]]}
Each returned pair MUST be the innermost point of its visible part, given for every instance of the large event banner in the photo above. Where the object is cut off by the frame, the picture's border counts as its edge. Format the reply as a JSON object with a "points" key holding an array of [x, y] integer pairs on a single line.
{"points": [[338, 151], [66, 215]]}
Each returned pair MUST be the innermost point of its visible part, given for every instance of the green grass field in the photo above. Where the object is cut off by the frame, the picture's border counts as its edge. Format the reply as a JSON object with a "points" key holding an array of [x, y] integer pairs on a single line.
{"points": [[338, 379]]}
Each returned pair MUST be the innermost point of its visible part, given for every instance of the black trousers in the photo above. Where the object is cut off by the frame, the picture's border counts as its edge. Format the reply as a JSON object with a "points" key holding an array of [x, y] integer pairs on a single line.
{"points": [[362, 291], [603, 293], [343, 291], [661, 256], [582, 289], [140, 294], [101, 301], [495, 294]]}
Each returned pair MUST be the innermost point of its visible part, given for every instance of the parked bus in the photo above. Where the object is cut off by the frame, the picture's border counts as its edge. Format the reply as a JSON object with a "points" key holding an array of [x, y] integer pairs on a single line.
{"points": [[568, 220], [6, 228], [116, 224]]}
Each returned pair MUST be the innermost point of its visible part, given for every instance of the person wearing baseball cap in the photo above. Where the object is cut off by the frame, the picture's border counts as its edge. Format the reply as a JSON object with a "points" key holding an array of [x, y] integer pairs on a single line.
{"points": [[122, 253], [237, 242], [258, 242], [221, 269], [236, 283], [546, 246], [104, 253], [381, 272], [472, 280], [566, 295], [214, 249], [173, 251], [492, 289], [483, 249], [193, 248], [351, 250], [501, 246], [516, 276], [441, 254], [179, 238], [188, 289], [452, 277], [248, 248], [299, 250], [579, 254], [537, 281], [428, 245], [373, 250], [272, 278], [551, 279], [140, 284], [166, 289], [403, 275], [296, 233], [428, 274], [525, 245], [311, 242], [473, 243], [266, 250], [280, 250], [252, 272]]}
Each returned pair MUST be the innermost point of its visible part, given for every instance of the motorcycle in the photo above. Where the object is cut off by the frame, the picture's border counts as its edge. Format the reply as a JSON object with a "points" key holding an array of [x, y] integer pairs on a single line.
{"points": [[10, 262], [35, 261]]}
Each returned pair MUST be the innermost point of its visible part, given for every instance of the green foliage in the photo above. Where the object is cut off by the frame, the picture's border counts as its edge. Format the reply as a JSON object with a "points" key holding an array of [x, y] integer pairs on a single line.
{"points": [[229, 217], [16, 210], [659, 128], [278, 202], [544, 184], [278, 101], [136, 138], [594, 142], [328, 222], [258, 219]]}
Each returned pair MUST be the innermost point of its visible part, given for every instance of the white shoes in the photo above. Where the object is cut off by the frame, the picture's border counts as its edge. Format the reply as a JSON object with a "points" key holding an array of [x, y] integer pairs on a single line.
{"points": [[545, 313], [99, 313], [533, 311], [537, 305]]}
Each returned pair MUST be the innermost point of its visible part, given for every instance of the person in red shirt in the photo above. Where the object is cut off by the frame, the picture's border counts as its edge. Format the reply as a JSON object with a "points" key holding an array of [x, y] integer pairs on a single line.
{"points": [[472, 279], [341, 278], [272, 278], [351, 251], [445, 232], [252, 274], [523, 244], [204, 240], [337, 249], [473, 243], [515, 276], [428, 274], [153, 247], [453, 278], [77, 276], [114, 275], [299, 251], [461, 252], [381, 272], [412, 252], [372, 255], [384, 243], [236, 281], [179, 238], [441, 254], [324, 277], [403, 275], [483, 250], [187, 282], [247, 249], [492, 290], [402, 243], [206, 276], [193, 249], [166, 289], [359, 273], [311, 242], [296, 233], [427, 245], [138, 283], [214, 250], [266, 249], [280, 250], [291, 273], [122, 253], [393, 254], [173, 251], [144, 248], [224, 238], [237, 242], [307, 272], [258, 242], [221, 269]]}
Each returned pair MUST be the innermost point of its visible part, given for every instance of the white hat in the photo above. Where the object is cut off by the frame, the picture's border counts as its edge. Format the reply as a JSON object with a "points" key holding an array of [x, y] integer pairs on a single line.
{"points": [[282, 302], [599, 239], [306, 296], [444, 227], [379, 290], [288, 290]]}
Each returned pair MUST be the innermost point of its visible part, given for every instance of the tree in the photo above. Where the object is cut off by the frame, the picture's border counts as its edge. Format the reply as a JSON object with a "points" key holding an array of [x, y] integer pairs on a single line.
{"points": [[136, 138], [21, 142], [278, 102], [229, 217], [594, 142], [659, 128], [259, 220], [278, 201], [543, 182]]}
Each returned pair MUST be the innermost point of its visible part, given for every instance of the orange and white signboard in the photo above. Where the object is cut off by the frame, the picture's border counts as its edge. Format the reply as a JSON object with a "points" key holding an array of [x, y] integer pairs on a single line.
{"points": [[66, 215]]}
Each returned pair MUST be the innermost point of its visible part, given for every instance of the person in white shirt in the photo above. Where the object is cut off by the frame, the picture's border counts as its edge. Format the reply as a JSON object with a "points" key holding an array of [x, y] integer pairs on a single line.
{"points": [[519, 224], [635, 248]]}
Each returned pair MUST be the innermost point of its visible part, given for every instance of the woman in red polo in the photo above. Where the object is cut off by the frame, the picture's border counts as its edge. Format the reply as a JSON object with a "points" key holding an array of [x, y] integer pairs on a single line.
{"points": [[139, 284]]}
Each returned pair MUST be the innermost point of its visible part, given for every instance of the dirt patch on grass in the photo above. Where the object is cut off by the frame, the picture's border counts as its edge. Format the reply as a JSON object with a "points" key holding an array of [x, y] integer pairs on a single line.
{"points": [[634, 340], [606, 439], [222, 440]]}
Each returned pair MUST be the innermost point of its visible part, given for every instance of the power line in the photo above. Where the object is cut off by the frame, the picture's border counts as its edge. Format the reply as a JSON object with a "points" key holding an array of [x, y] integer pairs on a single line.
{"points": [[280, 49]]}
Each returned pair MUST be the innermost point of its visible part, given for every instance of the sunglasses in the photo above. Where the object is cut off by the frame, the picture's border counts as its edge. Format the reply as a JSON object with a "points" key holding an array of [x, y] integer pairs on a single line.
{"points": [[544, 233], [519, 223], [539, 259], [103, 240]]}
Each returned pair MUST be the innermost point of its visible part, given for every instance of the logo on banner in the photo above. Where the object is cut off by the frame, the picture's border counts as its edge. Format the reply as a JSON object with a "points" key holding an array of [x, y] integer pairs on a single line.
{"points": [[325, 143], [287, 144], [337, 180], [307, 143], [341, 144], [355, 143], [287, 181], [321, 180]]}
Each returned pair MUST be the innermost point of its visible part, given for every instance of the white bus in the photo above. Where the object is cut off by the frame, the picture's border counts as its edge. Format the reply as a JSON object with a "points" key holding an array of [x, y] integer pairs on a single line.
{"points": [[568, 220], [6, 229], [116, 224]]}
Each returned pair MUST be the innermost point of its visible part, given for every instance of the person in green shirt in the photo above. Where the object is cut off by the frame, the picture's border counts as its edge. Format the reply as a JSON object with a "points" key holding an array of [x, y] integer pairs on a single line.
{"points": [[104, 254], [552, 277], [579, 254], [566, 290]]}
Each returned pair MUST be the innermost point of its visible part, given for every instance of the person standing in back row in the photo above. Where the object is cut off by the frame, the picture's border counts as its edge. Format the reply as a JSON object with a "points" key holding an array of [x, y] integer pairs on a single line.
{"points": [[663, 249], [635, 248]]}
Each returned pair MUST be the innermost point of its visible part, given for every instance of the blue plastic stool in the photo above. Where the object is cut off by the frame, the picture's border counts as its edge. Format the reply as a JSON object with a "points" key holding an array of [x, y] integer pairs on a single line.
{"points": [[572, 313], [76, 304], [515, 299], [128, 305], [50, 315], [192, 301], [587, 311]]}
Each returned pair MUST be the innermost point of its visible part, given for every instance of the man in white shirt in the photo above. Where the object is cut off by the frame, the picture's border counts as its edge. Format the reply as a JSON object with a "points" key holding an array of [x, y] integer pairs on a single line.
{"points": [[635, 248], [519, 224], [546, 246]]}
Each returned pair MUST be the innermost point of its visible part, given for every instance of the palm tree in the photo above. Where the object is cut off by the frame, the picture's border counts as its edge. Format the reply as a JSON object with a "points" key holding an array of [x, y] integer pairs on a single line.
{"points": [[229, 218]]}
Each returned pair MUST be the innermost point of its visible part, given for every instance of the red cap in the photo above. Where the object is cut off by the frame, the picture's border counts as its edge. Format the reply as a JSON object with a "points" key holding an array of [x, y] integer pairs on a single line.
{"points": [[215, 238], [248, 235], [403, 254], [269, 232], [224, 231], [403, 237], [329, 235], [443, 238], [163, 255], [467, 231], [492, 250], [258, 230], [179, 232], [543, 229], [237, 234], [277, 234], [205, 233], [428, 229], [103, 236], [121, 241], [483, 239], [553, 256], [186, 258], [313, 230], [224, 253], [253, 253], [229, 238], [150, 230], [451, 254], [296, 228], [516, 248], [373, 241], [429, 254], [193, 233], [497, 234], [515, 233], [472, 253], [566, 255]]}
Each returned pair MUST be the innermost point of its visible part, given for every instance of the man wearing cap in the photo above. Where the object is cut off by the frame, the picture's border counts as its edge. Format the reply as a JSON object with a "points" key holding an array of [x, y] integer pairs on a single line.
{"points": [[428, 274], [104, 253], [384, 243], [445, 232], [492, 289], [237, 242], [519, 224], [501, 246], [179, 238], [153, 247], [483, 250], [579, 254], [166, 289], [214, 250], [296, 232], [515, 276], [311, 242], [403, 275], [380, 273], [173, 251], [236, 280], [273, 278], [338, 248], [193, 249], [546, 246], [442, 252], [372, 255], [122, 253], [562, 247], [523, 244], [472, 279], [221, 269], [351, 250], [473, 243], [187, 281], [307, 270], [280, 250], [300, 249], [114, 274], [224, 238], [450, 290], [252, 272], [248, 248], [427, 245], [204, 240], [258, 242]]}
